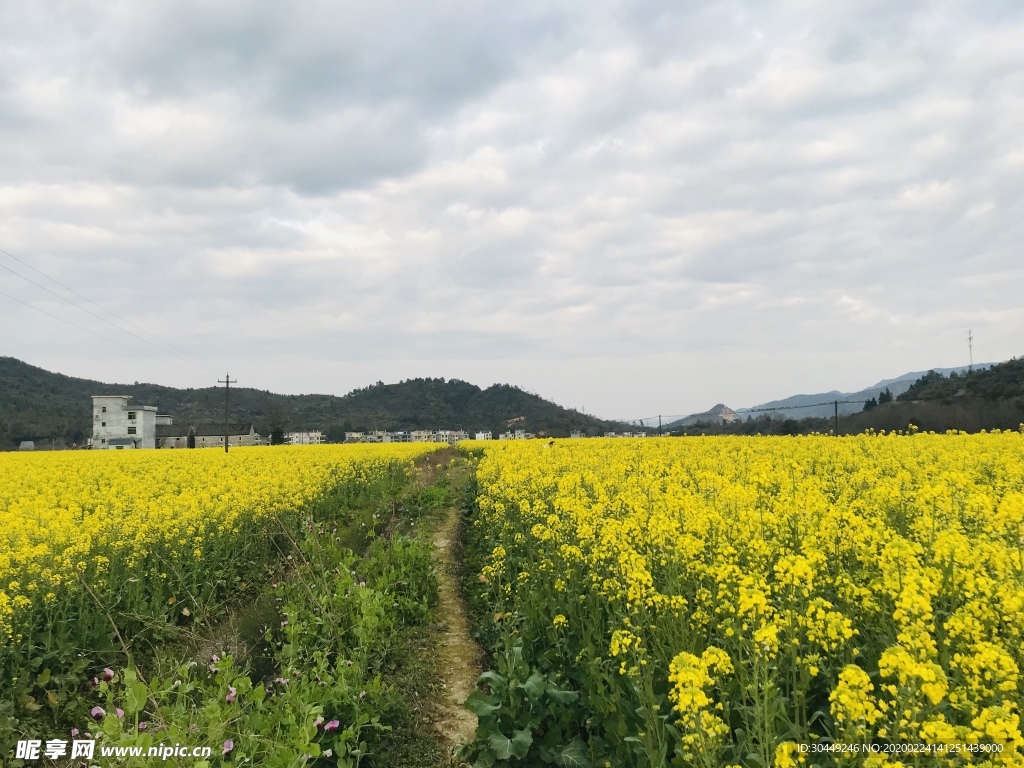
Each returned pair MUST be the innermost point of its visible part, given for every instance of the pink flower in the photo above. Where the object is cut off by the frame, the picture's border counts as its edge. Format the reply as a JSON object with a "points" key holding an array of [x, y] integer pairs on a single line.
{"points": [[120, 712], [75, 731], [318, 722], [97, 713], [228, 746], [332, 726], [281, 680], [362, 583], [284, 623], [231, 694], [108, 674], [362, 694], [143, 725]]}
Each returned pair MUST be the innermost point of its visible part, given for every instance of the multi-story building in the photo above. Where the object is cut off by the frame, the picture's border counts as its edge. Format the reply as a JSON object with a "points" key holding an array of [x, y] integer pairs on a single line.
{"points": [[484, 436], [519, 434], [450, 436], [304, 438], [117, 425]]}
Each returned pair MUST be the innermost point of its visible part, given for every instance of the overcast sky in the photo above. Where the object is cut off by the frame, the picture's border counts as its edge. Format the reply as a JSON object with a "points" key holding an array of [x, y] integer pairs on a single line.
{"points": [[628, 207]]}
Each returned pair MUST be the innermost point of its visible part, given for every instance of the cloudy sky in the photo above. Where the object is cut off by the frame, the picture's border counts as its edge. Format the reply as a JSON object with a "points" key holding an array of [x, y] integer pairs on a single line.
{"points": [[627, 207]]}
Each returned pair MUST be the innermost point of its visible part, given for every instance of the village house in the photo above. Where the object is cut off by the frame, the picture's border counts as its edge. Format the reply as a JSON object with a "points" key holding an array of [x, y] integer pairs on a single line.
{"points": [[117, 425], [450, 436], [519, 434], [304, 438], [206, 436]]}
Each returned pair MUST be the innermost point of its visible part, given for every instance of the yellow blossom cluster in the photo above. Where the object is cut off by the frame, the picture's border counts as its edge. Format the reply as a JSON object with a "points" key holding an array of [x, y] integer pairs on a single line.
{"points": [[866, 588]]}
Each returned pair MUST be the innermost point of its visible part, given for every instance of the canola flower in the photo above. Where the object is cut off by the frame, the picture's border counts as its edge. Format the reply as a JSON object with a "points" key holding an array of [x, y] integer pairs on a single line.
{"points": [[150, 533], [719, 598]]}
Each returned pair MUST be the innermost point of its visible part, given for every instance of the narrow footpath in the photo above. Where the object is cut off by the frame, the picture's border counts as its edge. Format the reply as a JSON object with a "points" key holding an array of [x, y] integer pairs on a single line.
{"points": [[461, 658]]}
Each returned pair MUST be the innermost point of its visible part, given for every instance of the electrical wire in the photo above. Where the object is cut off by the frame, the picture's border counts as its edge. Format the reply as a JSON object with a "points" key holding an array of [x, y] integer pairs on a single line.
{"points": [[97, 335], [180, 354]]}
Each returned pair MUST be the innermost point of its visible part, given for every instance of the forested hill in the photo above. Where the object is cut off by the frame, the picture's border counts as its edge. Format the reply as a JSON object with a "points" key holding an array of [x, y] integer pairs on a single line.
{"points": [[36, 404], [999, 382]]}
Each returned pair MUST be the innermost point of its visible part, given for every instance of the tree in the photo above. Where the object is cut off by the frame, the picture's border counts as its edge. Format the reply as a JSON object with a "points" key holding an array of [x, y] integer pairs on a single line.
{"points": [[869, 404], [277, 417], [885, 396]]}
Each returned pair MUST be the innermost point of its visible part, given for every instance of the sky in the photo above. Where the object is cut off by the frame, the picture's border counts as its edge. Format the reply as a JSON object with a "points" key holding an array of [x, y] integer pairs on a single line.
{"points": [[629, 208]]}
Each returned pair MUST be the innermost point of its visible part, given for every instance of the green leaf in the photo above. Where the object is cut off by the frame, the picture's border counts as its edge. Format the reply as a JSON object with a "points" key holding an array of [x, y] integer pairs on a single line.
{"points": [[481, 705], [534, 686], [494, 681], [44, 677], [521, 742], [573, 755], [562, 697], [501, 745], [136, 694]]}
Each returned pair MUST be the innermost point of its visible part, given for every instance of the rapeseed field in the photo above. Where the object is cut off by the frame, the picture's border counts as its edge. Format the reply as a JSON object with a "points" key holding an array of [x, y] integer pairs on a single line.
{"points": [[97, 544], [754, 601]]}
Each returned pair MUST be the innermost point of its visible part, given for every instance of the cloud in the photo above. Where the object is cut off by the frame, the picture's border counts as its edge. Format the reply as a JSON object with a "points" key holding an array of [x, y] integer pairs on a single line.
{"points": [[596, 199]]}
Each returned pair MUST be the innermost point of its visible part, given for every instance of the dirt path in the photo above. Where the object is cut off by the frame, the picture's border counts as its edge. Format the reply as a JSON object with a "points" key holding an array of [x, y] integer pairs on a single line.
{"points": [[461, 658]]}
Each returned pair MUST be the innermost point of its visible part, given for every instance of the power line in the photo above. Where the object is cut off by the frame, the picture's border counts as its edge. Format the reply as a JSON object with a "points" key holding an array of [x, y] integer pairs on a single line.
{"points": [[182, 356], [81, 328]]}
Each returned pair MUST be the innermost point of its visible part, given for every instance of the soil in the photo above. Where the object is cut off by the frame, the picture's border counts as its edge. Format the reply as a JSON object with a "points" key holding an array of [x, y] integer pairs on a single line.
{"points": [[461, 659]]}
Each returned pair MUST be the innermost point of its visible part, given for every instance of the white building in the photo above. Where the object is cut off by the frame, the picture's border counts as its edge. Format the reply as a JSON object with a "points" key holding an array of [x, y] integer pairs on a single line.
{"points": [[519, 434], [576, 434], [484, 436], [116, 425], [304, 438], [450, 436]]}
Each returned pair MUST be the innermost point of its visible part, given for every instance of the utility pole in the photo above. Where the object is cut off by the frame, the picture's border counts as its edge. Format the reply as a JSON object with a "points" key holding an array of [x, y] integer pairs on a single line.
{"points": [[970, 349], [659, 425], [227, 382], [836, 404]]}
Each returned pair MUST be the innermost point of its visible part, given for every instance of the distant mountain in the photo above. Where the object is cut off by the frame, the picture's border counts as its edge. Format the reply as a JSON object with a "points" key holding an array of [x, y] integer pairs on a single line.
{"points": [[38, 405], [806, 406], [720, 414], [991, 396]]}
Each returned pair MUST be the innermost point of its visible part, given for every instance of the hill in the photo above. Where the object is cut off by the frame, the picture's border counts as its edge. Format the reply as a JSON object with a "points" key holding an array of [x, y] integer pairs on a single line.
{"points": [[806, 406], [719, 414], [39, 405], [989, 397], [996, 382]]}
